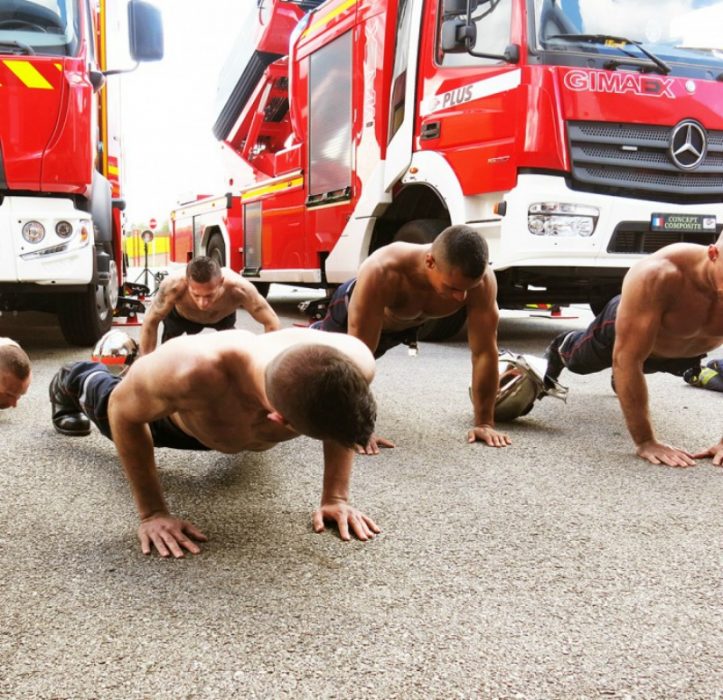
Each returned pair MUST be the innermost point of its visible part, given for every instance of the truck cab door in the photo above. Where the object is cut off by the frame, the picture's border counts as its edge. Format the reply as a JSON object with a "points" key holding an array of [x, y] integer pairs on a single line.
{"points": [[468, 109], [402, 98]]}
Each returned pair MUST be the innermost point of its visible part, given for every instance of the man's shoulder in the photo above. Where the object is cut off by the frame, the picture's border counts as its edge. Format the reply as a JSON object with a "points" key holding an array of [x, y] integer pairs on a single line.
{"points": [[666, 268], [391, 262], [176, 284], [235, 285]]}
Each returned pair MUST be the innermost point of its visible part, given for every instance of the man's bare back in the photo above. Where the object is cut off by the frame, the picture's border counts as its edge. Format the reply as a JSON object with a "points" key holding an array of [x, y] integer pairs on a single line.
{"points": [[218, 396]]}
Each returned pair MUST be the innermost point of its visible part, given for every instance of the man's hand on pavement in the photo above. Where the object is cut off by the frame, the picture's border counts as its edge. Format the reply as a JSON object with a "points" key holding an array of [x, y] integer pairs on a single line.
{"points": [[344, 516], [372, 447], [488, 435], [716, 452], [169, 535], [660, 453]]}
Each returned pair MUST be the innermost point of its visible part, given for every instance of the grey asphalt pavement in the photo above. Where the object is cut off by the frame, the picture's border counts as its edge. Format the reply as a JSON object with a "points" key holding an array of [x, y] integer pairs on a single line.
{"points": [[560, 567]]}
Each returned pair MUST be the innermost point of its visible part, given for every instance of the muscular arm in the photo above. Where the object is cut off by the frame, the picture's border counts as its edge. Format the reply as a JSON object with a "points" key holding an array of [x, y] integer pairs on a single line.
{"points": [[482, 320], [645, 296], [138, 400], [170, 290], [366, 308], [338, 461], [251, 301]]}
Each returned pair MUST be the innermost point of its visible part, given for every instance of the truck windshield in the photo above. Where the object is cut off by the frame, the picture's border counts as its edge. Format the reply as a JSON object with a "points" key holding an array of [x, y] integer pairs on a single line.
{"points": [[46, 27], [655, 34]]}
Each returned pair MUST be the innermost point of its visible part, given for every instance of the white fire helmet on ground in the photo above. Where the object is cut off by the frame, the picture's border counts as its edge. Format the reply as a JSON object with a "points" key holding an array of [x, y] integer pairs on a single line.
{"points": [[522, 382], [116, 350]]}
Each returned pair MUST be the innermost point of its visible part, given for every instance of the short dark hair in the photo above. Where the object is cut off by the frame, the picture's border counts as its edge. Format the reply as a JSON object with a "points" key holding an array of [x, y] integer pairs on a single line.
{"points": [[322, 393], [203, 269], [13, 359], [463, 248]]}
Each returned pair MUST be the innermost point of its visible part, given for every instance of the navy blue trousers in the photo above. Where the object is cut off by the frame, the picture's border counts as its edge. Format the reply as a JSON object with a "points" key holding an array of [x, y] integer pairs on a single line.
{"points": [[91, 384], [591, 350]]}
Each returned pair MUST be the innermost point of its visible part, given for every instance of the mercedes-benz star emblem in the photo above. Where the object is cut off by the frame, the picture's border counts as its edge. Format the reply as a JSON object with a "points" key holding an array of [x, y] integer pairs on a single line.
{"points": [[688, 145]]}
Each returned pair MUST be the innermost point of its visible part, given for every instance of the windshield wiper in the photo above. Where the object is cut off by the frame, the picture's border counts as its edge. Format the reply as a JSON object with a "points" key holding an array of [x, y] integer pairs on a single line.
{"points": [[604, 38], [18, 47]]}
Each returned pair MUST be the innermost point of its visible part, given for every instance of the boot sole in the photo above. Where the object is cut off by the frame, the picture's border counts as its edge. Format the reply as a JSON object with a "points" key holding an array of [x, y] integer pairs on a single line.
{"points": [[71, 433]]}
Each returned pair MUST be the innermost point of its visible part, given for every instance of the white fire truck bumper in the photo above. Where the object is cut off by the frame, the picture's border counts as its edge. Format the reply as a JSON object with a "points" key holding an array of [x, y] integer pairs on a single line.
{"points": [[56, 248], [524, 238]]}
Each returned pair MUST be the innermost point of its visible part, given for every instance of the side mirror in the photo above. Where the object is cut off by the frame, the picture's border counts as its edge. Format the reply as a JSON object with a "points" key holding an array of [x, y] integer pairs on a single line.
{"points": [[145, 31], [454, 35], [454, 8]]}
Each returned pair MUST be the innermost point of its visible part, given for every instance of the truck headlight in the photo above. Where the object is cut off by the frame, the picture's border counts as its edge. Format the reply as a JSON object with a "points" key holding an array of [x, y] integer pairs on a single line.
{"points": [[561, 219], [64, 229], [33, 232]]}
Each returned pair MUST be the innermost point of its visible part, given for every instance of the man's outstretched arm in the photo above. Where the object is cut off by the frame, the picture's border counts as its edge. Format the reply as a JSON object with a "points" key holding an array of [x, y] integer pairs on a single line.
{"points": [[637, 324], [482, 319], [130, 410], [338, 461], [365, 322], [163, 303]]}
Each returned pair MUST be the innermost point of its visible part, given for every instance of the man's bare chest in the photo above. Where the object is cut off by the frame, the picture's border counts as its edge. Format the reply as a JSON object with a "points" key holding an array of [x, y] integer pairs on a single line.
{"points": [[220, 310], [417, 308]]}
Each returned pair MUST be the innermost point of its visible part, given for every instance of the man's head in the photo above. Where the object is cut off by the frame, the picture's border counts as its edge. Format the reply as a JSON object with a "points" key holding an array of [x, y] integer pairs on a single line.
{"points": [[320, 392], [457, 261], [205, 281], [15, 375]]}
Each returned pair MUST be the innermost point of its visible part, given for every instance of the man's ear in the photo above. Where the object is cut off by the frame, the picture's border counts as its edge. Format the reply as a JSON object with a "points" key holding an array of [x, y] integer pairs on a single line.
{"points": [[713, 252], [429, 261], [276, 417]]}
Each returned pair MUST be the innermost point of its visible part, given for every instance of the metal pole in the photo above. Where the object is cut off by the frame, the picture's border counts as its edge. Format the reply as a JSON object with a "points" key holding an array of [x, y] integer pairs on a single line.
{"points": [[145, 264]]}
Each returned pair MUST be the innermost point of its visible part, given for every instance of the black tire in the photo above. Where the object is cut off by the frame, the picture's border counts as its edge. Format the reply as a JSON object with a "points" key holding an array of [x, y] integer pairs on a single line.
{"points": [[262, 288], [425, 231], [86, 316], [420, 231], [216, 249]]}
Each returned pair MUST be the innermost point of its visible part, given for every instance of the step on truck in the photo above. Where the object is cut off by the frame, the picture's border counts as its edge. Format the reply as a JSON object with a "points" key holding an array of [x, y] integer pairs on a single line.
{"points": [[60, 154]]}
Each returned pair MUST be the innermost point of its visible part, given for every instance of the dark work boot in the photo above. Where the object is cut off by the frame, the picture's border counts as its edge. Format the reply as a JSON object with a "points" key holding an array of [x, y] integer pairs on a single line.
{"points": [[555, 365], [68, 419]]}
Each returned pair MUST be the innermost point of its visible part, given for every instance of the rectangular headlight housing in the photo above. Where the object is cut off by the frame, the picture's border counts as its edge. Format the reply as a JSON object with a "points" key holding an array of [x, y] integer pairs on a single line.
{"points": [[562, 220]]}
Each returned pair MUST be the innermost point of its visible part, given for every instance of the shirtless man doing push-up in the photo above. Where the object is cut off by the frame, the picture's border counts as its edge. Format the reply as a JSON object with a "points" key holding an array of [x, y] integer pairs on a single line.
{"points": [[670, 313], [205, 295], [229, 391], [404, 284]]}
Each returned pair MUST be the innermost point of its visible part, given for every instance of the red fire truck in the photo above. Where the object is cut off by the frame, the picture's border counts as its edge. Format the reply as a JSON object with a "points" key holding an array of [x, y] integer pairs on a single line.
{"points": [[60, 157], [575, 135]]}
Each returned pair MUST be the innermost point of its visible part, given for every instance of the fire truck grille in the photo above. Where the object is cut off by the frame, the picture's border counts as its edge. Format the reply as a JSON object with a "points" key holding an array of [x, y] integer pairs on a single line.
{"points": [[636, 159], [632, 237]]}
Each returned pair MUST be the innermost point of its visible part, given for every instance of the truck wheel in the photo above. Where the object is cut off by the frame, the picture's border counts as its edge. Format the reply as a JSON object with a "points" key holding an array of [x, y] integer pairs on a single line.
{"points": [[216, 249], [86, 316], [420, 231], [425, 231]]}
